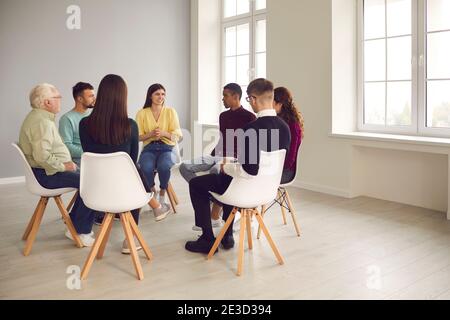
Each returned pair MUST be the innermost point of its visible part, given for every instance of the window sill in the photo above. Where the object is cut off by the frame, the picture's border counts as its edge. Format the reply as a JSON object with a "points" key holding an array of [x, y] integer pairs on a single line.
{"points": [[413, 143], [208, 124]]}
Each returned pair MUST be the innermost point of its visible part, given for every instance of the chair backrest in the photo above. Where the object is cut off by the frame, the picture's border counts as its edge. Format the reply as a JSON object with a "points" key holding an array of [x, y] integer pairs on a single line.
{"points": [[111, 183], [250, 192], [32, 184]]}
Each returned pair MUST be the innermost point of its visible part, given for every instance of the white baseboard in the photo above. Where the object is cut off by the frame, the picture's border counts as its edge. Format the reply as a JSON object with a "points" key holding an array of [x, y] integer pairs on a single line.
{"points": [[13, 180], [323, 189]]}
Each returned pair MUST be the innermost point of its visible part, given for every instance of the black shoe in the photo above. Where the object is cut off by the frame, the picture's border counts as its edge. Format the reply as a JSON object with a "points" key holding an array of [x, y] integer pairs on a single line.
{"points": [[201, 245], [98, 220], [227, 242]]}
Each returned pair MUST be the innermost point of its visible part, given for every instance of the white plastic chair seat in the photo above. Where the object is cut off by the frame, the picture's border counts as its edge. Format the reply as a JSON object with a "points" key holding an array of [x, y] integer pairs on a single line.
{"points": [[111, 183], [258, 190], [33, 185]]}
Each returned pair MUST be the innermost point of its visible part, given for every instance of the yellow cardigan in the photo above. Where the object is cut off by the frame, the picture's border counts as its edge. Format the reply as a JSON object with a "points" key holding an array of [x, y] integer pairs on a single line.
{"points": [[168, 121]]}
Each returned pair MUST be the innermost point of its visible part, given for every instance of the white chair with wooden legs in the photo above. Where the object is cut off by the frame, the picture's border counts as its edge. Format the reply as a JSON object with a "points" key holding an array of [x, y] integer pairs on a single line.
{"points": [[35, 188], [284, 201], [246, 194], [110, 183]]}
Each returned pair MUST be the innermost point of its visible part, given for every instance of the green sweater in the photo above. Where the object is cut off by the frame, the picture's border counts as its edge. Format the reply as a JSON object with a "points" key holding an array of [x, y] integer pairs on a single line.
{"points": [[40, 142], [70, 133]]}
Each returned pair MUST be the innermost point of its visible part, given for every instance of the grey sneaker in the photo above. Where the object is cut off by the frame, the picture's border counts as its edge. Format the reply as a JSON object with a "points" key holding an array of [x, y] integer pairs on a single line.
{"points": [[161, 213], [126, 250]]}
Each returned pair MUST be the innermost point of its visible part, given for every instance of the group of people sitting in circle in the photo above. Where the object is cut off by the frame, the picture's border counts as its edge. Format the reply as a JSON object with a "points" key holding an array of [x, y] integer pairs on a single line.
{"points": [[99, 123]]}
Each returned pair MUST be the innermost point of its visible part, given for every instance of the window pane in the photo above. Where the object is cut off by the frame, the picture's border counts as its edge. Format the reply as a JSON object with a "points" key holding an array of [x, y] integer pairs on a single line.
{"points": [[374, 103], [243, 39], [244, 102], [438, 104], [243, 63], [261, 36], [399, 105], [230, 69], [243, 6], [374, 19], [260, 4], [230, 8], [399, 14], [438, 55], [230, 41], [260, 65], [375, 60], [438, 15], [399, 58]]}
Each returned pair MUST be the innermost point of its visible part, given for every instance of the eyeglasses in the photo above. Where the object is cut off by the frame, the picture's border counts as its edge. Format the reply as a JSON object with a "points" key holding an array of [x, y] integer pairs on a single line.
{"points": [[57, 97], [249, 98]]}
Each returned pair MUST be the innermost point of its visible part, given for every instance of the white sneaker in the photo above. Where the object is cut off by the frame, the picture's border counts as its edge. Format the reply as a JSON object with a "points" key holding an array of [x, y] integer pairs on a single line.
{"points": [[217, 223], [87, 240], [126, 250], [162, 212], [237, 222]]}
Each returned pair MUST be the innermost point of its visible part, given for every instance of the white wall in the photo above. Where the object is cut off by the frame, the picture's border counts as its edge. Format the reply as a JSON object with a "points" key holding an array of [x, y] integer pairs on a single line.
{"points": [[143, 41], [300, 57]]}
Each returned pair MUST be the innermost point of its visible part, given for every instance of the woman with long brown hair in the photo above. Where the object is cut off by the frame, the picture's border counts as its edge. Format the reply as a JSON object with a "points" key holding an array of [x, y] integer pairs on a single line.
{"points": [[159, 129], [108, 129], [284, 106]]}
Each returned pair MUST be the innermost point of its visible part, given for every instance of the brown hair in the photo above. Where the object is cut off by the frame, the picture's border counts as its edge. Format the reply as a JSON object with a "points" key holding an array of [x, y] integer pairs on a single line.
{"points": [[108, 124], [151, 90], [260, 86], [289, 113]]}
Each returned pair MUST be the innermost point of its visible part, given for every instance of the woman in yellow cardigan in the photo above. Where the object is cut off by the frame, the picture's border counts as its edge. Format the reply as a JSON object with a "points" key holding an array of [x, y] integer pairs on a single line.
{"points": [[159, 129]]}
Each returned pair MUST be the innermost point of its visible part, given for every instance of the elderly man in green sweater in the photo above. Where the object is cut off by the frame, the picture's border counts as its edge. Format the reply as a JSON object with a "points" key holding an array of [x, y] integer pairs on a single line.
{"points": [[49, 157], [84, 96]]}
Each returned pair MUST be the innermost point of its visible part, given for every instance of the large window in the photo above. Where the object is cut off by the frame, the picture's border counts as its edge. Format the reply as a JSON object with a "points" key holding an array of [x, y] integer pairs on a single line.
{"points": [[404, 68], [244, 42]]}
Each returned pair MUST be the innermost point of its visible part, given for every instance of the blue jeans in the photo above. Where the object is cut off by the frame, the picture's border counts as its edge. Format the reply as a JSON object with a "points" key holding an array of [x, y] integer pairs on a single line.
{"points": [[82, 217], [159, 157]]}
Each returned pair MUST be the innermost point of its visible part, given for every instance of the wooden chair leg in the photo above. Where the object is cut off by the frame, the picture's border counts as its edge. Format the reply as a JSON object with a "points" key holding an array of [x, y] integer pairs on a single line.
{"points": [[30, 224], [125, 218], [101, 250], [172, 201], [269, 238], [68, 221], [98, 241], [241, 242], [283, 212], [35, 227], [293, 215], [69, 207], [222, 233], [263, 211], [140, 238], [174, 195], [249, 230]]}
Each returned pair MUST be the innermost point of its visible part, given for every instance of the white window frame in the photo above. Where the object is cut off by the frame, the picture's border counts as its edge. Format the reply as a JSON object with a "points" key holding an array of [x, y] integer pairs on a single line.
{"points": [[252, 17], [418, 68]]}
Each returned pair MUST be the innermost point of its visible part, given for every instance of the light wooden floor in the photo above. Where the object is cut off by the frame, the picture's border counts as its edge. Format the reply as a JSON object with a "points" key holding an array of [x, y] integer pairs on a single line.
{"points": [[349, 249]]}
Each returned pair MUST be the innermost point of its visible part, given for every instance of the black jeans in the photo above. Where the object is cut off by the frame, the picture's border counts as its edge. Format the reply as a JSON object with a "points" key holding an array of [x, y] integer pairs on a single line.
{"points": [[199, 188]]}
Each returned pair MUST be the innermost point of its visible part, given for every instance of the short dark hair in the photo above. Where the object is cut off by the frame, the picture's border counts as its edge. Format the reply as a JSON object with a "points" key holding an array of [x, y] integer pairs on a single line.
{"points": [[78, 89], [260, 86], [235, 88]]}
